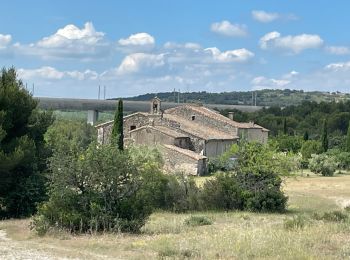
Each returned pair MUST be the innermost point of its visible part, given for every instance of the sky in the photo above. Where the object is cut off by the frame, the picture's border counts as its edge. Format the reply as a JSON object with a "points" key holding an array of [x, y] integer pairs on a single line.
{"points": [[70, 48]]}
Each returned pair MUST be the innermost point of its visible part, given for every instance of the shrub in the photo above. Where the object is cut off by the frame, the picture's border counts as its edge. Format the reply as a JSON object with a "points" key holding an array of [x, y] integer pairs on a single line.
{"points": [[323, 164], [261, 191], [297, 222], [198, 221], [310, 147], [222, 192], [342, 158], [99, 189]]}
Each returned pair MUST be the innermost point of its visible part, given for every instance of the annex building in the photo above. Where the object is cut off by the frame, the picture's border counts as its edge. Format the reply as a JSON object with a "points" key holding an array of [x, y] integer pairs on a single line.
{"points": [[186, 135]]}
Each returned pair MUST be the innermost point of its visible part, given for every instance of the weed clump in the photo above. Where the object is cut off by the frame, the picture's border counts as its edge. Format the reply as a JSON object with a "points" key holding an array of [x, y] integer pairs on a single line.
{"points": [[198, 221], [297, 222], [333, 216]]}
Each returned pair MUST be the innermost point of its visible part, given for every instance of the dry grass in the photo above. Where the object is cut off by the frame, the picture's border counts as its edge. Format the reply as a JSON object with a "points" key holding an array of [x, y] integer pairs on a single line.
{"points": [[233, 235]]}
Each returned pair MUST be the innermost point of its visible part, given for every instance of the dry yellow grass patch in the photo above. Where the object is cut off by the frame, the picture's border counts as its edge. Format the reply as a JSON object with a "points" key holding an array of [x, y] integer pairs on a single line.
{"points": [[233, 235]]}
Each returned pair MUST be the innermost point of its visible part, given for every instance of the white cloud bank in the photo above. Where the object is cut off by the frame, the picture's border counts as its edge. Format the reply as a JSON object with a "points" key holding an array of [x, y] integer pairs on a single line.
{"points": [[50, 73], [69, 42], [267, 17], [338, 50], [226, 28], [295, 44]]}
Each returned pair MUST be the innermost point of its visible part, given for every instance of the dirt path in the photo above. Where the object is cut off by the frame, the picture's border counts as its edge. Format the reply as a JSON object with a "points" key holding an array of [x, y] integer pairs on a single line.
{"points": [[10, 249]]}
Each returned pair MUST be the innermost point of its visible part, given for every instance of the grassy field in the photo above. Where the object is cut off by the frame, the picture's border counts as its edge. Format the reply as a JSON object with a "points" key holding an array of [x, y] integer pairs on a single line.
{"points": [[232, 235]]}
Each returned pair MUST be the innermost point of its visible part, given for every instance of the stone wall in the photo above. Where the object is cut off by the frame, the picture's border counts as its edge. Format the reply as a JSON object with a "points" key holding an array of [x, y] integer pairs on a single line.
{"points": [[214, 148], [176, 161], [151, 136], [254, 134]]}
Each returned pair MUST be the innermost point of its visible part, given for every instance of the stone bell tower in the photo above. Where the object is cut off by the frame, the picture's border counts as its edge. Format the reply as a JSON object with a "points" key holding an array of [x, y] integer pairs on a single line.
{"points": [[156, 106]]}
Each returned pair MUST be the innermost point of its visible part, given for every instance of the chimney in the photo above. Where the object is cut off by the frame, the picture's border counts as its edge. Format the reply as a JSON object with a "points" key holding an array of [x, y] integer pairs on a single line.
{"points": [[230, 115]]}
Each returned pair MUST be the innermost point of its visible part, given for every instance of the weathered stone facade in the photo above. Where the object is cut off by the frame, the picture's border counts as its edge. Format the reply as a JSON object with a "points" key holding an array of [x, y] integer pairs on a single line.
{"points": [[188, 134]]}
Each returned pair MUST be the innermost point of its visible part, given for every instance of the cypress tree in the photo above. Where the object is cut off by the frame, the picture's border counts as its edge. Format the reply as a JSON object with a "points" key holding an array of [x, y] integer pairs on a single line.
{"points": [[117, 131], [324, 136], [347, 147], [285, 126], [306, 136]]}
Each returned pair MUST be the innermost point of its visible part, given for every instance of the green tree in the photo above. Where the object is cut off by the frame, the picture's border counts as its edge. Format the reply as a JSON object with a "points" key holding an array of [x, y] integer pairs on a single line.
{"points": [[347, 145], [324, 136], [102, 189], [117, 131], [285, 128], [23, 151]]}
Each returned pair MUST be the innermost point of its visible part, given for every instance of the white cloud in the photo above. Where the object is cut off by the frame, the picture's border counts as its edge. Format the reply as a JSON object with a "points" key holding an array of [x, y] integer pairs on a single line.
{"points": [[137, 42], [5, 40], [263, 16], [70, 42], [50, 73], [228, 29], [266, 17], [269, 83], [338, 50], [340, 66], [239, 55], [137, 61], [71, 34], [187, 45], [296, 44]]}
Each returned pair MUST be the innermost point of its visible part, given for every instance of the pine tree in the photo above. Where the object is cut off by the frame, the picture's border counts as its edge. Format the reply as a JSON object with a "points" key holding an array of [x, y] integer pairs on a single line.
{"points": [[285, 126], [23, 150], [347, 147], [306, 136], [117, 131], [324, 136]]}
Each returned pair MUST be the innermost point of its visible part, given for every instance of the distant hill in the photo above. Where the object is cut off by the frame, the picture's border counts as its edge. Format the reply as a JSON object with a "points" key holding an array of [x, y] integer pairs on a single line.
{"points": [[266, 97]]}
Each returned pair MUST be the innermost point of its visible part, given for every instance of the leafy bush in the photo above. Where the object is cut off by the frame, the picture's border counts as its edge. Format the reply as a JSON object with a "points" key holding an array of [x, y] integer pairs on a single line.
{"points": [[310, 147], [289, 143], [297, 222], [221, 193], [323, 164], [342, 158], [198, 221], [99, 189]]}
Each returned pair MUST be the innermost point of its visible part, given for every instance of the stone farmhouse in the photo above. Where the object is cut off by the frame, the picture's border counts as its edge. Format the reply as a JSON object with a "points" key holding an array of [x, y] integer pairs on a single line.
{"points": [[186, 135]]}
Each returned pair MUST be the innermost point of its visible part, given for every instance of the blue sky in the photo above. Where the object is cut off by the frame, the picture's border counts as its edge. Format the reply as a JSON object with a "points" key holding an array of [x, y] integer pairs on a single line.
{"points": [[69, 48]]}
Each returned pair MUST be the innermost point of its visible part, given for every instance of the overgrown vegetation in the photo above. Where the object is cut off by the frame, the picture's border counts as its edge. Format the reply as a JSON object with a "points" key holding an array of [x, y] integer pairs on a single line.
{"points": [[23, 151]]}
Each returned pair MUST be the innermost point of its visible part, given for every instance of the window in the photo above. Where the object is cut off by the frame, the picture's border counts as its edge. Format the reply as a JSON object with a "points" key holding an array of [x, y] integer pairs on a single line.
{"points": [[133, 127], [193, 118]]}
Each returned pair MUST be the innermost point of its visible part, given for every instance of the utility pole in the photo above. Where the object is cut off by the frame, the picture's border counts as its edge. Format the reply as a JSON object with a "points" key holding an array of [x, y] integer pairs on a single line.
{"points": [[252, 98]]}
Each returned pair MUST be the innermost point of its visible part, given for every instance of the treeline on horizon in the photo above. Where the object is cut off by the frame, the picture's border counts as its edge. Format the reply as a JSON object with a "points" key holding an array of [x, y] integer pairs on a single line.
{"points": [[307, 117], [266, 97]]}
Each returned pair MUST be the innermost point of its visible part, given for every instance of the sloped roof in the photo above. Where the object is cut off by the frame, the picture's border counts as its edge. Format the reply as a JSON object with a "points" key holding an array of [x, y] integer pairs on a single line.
{"points": [[186, 152], [216, 116], [206, 133], [162, 129]]}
